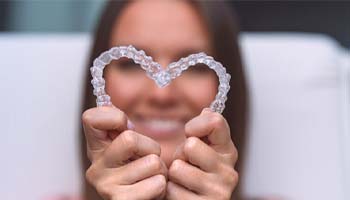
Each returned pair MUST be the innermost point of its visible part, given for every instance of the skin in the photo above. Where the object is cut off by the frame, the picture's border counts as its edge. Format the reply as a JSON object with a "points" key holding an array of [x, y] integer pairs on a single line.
{"points": [[193, 156]]}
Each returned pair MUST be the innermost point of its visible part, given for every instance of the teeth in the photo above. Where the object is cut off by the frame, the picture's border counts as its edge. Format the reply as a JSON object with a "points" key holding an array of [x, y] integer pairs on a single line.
{"points": [[161, 124]]}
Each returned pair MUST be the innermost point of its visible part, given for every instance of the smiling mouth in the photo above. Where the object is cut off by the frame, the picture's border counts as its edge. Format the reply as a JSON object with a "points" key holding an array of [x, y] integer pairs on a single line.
{"points": [[159, 127]]}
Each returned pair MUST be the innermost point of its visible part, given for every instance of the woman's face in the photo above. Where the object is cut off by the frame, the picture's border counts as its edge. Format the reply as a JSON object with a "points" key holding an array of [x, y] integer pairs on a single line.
{"points": [[167, 31]]}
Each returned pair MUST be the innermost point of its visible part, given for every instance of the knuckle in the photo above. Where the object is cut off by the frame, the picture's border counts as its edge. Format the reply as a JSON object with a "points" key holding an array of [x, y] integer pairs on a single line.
{"points": [[104, 189], [231, 177], [87, 116], [170, 191], [221, 193], [129, 139], [154, 162], [91, 174], [104, 185], [120, 195], [175, 168], [235, 153], [235, 177], [190, 144], [161, 180], [169, 188], [119, 119], [217, 120], [225, 195], [232, 157]]}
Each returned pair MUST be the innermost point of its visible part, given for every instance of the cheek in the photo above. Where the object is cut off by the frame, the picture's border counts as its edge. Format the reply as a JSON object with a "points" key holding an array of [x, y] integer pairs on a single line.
{"points": [[200, 92], [124, 91]]}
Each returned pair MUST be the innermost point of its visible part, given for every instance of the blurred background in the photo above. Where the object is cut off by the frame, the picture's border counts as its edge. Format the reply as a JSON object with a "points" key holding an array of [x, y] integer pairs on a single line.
{"points": [[329, 17], [297, 60]]}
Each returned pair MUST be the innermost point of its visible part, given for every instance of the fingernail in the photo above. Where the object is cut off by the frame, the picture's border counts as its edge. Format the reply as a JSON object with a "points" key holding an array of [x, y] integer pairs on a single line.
{"points": [[130, 125]]}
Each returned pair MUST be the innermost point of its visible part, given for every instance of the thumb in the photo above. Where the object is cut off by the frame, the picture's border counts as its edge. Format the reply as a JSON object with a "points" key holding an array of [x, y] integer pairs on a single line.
{"points": [[101, 125], [212, 128]]}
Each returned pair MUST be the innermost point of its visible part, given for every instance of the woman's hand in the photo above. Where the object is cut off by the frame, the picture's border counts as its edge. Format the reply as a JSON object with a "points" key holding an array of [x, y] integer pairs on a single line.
{"points": [[125, 164], [204, 170]]}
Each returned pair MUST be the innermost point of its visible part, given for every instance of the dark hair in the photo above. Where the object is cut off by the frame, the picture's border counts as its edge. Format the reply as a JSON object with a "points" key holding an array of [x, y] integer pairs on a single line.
{"points": [[223, 30]]}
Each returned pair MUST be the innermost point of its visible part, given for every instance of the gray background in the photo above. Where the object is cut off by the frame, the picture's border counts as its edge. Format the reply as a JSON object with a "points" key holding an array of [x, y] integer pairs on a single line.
{"points": [[329, 17]]}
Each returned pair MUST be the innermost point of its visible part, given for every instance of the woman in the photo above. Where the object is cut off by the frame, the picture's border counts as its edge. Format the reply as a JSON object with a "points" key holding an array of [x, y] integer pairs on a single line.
{"points": [[175, 148]]}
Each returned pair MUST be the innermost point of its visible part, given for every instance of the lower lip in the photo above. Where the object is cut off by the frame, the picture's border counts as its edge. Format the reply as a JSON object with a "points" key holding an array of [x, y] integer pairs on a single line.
{"points": [[154, 133]]}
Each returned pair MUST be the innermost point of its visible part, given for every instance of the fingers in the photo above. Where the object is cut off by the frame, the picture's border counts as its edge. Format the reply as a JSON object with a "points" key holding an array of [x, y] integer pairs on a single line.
{"points": [[153, 187], [213, 126], [130, 173], [140, 169], [156, 187], [203, 184], [105, 118], [204, 164], [128, 145], [199, 154], [143, 178], [97, 122], [124, 163], [175, 192], [198, 180]]}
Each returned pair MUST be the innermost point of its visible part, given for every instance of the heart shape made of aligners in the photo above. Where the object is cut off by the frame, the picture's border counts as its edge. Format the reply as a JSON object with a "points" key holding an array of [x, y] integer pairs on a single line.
{"points": [[155, 72]]}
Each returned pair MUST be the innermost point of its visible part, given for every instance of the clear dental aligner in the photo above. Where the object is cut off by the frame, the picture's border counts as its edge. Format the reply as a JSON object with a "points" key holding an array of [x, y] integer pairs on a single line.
{"points": [[162, 77]]}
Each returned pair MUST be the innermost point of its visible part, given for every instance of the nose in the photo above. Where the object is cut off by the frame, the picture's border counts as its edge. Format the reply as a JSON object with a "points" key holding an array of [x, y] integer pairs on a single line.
{"points": [[163, 97]]}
